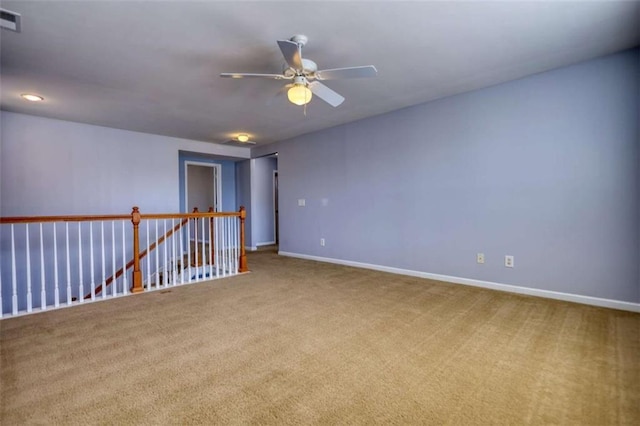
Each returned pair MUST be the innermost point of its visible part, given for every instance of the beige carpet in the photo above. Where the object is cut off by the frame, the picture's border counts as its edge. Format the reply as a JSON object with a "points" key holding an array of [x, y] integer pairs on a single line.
{"points": [[299, 342]]}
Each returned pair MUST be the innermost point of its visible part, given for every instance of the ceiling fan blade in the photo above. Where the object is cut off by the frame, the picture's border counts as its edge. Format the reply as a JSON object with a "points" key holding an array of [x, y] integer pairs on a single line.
{"points": [[291, 52], [352, 72], [254, 75], [326, 94]]}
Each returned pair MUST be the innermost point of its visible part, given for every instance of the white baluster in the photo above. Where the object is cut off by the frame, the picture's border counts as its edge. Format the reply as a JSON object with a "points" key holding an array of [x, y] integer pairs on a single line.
{"points": [[81, 289], [228, 245], [157, 255], [147, 257], [196, 250], [232, 237], [14, 281], [174, 272], [125, 283], [230, 249], [238, 244], [29, 300], [216, 235], [103, 286], [68, 266], [210, 256], [235, 245], [114, 282], [1, 306], [43, 292], [181, 236], [56, 289], [189, 250], [203, 266], [93, 281], [222, 247], [234, 258], [165, 275]]}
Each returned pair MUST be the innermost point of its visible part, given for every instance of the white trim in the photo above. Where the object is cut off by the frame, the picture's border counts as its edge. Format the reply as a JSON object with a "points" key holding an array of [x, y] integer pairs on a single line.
{"points": [[274, 207], [250, 248], [266, 243], [568, 297]]}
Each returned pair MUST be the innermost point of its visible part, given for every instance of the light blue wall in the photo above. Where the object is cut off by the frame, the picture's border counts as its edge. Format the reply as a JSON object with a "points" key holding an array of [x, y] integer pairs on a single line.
{"points": [[56, 167], [254, 189], [545, 168], [228, 179]]}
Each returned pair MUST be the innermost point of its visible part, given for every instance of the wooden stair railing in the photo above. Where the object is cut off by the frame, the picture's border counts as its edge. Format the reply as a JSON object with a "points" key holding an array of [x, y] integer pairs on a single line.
{"points": [[25, 258], [131, 263], [137, 286]]}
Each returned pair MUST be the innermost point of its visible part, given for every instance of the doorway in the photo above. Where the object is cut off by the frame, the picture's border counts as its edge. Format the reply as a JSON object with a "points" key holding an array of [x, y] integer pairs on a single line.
{"points": [[203, 186]]}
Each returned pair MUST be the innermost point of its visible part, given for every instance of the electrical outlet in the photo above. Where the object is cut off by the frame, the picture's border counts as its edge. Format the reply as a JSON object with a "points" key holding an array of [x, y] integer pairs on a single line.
{"points": [[322, 242], [480, 258], [509, 261], [301, 202]]}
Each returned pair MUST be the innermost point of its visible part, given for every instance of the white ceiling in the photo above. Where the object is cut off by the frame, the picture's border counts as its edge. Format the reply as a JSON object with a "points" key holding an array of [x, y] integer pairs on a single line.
{"points": [[153, 66]]}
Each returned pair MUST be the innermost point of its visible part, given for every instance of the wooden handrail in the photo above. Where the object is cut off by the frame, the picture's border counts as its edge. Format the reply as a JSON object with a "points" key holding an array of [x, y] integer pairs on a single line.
{"points": [[196, 215], [144, 253], [41, 219], [96, 218], [136, 217]]}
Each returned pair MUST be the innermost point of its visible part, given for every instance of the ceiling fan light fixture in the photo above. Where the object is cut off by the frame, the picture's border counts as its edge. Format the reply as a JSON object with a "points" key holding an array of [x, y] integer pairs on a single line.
{"points": [[243, 138], [299, 94]]}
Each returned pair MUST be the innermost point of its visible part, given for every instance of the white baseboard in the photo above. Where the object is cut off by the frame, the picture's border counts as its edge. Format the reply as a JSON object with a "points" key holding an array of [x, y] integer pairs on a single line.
{"points": [[568, 297], [266, 243], [250, 248]]}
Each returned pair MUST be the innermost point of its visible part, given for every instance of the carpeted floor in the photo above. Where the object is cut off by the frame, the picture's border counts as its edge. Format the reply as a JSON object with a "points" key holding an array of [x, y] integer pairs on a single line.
{"points": [[298, 342]]}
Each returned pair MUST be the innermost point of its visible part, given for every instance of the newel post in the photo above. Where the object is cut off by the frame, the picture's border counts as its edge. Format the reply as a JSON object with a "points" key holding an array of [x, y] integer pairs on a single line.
{"points": [[211, 233], [243, 255], [137, 273], [195, 236]]}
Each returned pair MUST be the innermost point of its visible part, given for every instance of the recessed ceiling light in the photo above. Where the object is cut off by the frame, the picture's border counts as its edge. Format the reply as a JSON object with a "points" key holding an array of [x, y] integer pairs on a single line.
{"points": [[243, 137], [32, 98]]}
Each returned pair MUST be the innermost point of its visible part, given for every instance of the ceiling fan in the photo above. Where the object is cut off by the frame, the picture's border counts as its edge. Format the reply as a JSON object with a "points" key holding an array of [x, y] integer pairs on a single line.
{"points": [[305, 75]]}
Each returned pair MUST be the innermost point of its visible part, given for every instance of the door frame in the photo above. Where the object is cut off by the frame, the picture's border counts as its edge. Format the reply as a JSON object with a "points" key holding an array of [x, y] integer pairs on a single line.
{"points": [[276, 211], [217, 181]]}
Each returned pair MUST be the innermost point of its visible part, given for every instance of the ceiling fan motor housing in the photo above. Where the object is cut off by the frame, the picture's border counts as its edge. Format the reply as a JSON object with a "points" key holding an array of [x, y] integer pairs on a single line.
{"points": [[300, 80], [308, 69], [300, 39]]}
